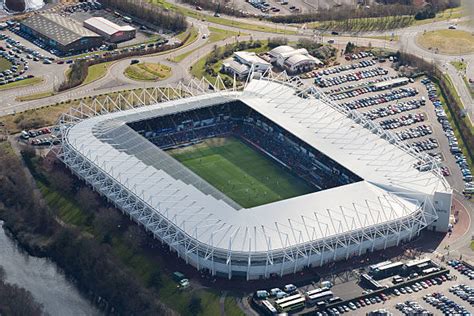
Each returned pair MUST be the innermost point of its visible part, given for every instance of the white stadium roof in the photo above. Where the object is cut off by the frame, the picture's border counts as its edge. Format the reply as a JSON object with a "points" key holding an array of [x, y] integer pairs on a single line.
{"points": [[391, 190]]}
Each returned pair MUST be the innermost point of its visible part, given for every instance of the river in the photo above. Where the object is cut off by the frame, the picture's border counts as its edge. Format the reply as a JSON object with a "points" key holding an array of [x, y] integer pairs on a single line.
{"points": [[43, 279]]}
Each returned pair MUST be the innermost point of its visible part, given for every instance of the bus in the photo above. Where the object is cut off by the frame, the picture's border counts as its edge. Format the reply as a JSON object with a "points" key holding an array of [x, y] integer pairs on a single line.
{"points": [[374, 267], [316, 291], [388, 270], [269, 308], [430, 270], [417, 265], [318, 297], [290, 303]]}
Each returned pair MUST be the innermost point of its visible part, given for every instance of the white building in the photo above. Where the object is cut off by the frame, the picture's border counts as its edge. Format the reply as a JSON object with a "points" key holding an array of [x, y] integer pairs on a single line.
{"points": [[233, 67], [110, 31], [391, 204], [251, 59], [241, 63], [293, 60]]}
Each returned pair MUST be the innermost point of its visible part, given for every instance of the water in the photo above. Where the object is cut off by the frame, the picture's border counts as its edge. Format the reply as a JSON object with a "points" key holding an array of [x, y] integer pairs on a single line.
{"points": [[43, 279]]}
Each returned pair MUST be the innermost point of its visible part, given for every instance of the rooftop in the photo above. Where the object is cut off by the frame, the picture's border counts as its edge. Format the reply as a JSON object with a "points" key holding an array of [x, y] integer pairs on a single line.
{"points": [[107, 26], [61, 29], [251, 58], [392, 188]]}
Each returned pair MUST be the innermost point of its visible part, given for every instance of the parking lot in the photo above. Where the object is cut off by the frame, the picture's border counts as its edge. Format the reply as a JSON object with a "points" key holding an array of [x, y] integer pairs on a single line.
{"points": [[409, 108], [441, 299], [440, 289]]}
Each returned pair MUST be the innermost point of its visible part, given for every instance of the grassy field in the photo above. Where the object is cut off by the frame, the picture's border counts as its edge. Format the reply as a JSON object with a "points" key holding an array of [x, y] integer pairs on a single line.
{"points": [[459, 65], [26, 82], [217, 35], [96, 72], [147, 72], [365, 25], [192, 37], [448, 41], [4, 64], [239, 171]]}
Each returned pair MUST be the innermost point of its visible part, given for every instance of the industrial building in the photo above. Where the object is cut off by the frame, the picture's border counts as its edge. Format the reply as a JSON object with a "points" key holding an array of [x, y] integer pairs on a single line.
{"points": [[110, 31], [60, 33], [381, 199]]}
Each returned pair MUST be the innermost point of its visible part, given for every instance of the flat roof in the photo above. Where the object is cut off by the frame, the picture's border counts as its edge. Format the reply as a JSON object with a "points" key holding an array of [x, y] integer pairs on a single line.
{"points": [[107, 26], [388, 83], [391, 190], [251, 58], [58, 28]]}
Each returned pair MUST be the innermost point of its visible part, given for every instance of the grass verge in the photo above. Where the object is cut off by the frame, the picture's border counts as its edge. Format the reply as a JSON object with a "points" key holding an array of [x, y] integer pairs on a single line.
{"points": [[222, 21], [96, 72], [148, 72], [467, 151], [4, 64], [460, 66], [22, 83], [34, 96]]}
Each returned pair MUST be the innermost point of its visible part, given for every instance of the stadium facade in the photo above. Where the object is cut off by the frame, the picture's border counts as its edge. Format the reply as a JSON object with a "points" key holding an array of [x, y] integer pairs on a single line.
{"points": [[382, 197]]}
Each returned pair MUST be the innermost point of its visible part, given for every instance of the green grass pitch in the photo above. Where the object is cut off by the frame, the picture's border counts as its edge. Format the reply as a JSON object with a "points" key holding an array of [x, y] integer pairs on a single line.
{"points": [[242, 173]]}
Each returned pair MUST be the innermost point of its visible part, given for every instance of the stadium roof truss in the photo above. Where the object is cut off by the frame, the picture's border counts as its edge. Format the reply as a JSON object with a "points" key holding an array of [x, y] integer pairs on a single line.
{"points": [[393, 203]]}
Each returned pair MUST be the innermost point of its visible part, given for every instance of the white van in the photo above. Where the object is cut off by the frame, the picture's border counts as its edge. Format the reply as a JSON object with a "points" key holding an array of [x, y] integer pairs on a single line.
{"points": [[290, 288]]}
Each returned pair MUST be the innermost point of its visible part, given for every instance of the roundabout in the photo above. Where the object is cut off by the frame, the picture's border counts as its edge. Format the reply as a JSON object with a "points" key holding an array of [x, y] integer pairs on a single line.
{"points": [[447, 42], [148, 72]]}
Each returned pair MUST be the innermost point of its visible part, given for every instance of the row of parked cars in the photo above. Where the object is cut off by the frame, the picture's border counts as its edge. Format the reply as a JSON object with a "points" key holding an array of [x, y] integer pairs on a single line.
{"points": [[338, 69], [380, 98], [462, 268], [395, 109], [412, 308], [446, 305], [82, 7], [404, 120], [17, 70], [414, 132], [358, 55], [360, 85], [424, 145], [324, 82], [465, 292], [20, 48], [452, 139]]}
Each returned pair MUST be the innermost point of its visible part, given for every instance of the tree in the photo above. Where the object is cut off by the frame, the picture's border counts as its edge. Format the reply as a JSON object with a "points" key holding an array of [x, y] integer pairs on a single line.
{"points": [[87, 199], [135, 236], [107, 220], [155, 281], [195, 305], [61, 181]]}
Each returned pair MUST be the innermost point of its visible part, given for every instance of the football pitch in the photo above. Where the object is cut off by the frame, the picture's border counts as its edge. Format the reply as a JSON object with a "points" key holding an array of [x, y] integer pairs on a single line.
{"points": [[239, 171]]}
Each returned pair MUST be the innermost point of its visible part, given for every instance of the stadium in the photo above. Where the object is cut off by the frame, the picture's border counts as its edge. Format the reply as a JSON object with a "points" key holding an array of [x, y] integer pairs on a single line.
{"points": [[257, 182]]}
